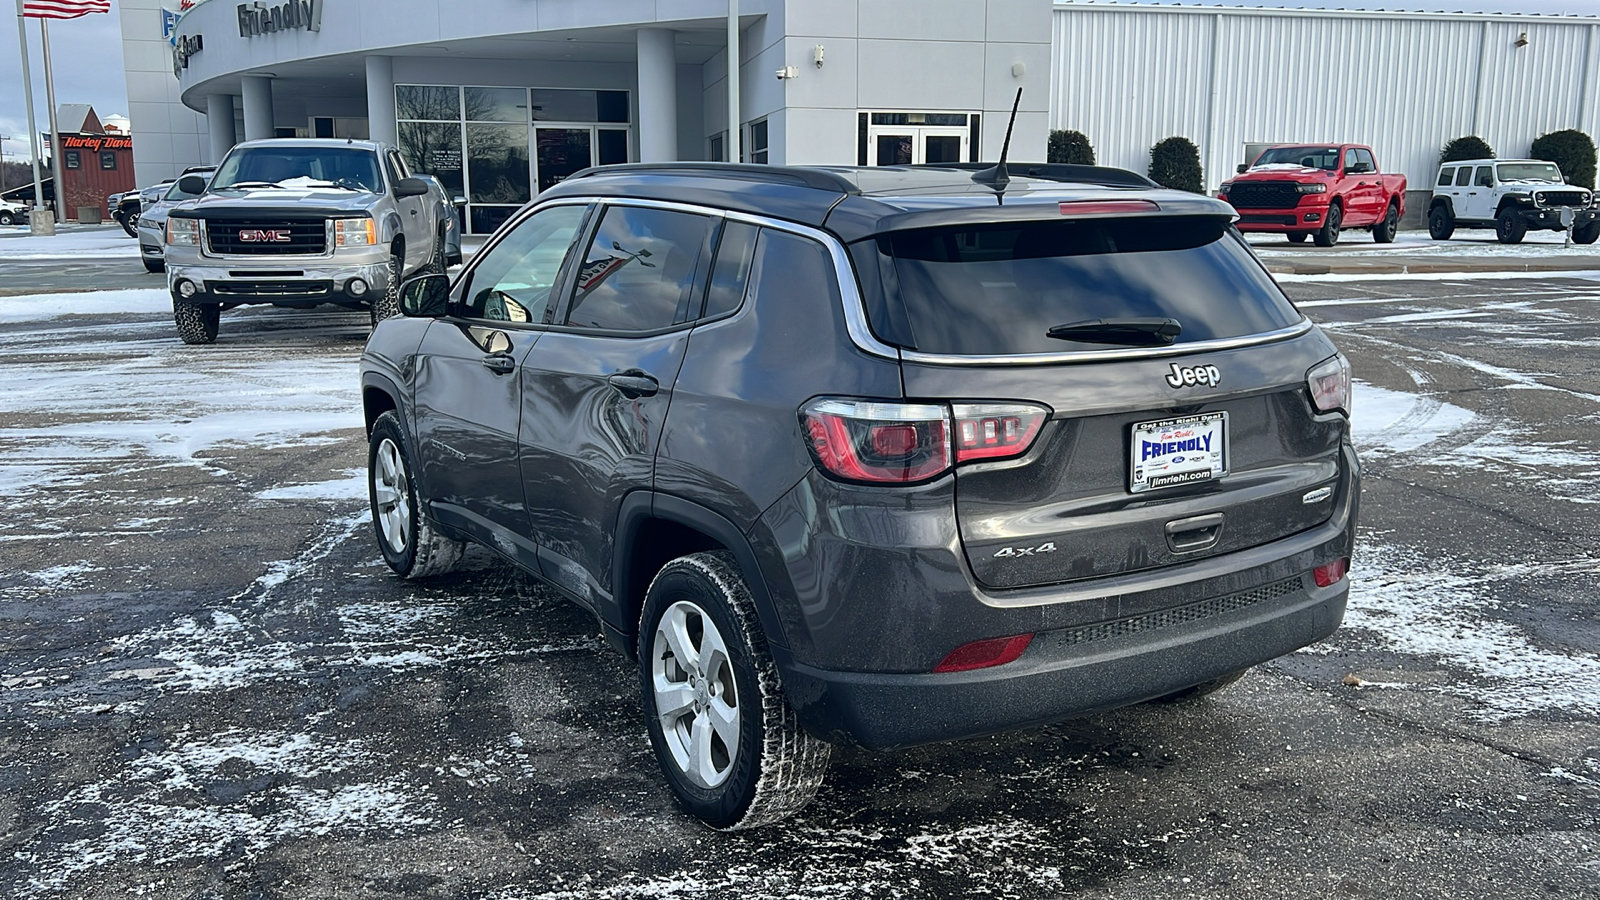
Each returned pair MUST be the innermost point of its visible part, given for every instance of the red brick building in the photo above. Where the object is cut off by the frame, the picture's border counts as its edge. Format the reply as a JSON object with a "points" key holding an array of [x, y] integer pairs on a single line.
{"points": [[93, 163]]}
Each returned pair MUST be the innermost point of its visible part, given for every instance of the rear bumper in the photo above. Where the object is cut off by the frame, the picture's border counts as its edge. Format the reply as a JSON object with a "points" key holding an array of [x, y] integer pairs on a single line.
{"points": [[1066, 673], [864, 627]]}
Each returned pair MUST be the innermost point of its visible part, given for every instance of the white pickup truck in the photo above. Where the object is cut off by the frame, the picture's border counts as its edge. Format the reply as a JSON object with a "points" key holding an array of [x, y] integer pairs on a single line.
{"points": [[299, 222]]}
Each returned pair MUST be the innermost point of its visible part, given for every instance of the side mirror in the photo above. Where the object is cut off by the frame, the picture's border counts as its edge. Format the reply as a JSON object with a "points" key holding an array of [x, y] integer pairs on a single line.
{"points": [[425, 297], [1243, 168], [459, 201], [410, 187], [192, 184]]}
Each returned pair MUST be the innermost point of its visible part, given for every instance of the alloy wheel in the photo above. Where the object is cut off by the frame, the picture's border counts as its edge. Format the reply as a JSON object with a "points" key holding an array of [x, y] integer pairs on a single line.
{"points": [[696, 697], [393, 492]]}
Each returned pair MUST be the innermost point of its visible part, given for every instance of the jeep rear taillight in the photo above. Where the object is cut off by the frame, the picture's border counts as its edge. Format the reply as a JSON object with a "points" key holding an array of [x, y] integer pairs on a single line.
{"points": [[993, 431], [882, 442]]}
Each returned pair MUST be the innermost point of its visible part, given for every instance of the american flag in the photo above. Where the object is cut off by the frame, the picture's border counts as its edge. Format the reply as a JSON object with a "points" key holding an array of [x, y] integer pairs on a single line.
{"points": [[63, 9]]}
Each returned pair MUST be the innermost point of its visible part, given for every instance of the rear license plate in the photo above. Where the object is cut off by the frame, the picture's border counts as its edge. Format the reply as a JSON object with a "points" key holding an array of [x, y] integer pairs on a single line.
{"points": [[1178, 451]]}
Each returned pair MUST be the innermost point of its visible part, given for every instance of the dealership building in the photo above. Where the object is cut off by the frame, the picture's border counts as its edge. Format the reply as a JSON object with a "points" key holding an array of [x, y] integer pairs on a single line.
{"points": [[501, 98]]}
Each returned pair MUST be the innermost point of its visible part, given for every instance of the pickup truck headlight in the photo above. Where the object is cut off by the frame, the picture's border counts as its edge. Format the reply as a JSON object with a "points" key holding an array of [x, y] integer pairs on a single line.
{"points": [[1318, 188], [361, 232], [183, 232]]}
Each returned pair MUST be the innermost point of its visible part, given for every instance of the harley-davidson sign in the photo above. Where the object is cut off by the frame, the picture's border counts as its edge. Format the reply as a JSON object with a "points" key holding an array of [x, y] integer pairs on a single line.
{"points": [[264, 236], [269, 18]]}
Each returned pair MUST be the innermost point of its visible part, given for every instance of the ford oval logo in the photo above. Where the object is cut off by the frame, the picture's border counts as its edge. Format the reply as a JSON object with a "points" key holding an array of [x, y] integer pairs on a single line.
{"points": [[1177, 459]]}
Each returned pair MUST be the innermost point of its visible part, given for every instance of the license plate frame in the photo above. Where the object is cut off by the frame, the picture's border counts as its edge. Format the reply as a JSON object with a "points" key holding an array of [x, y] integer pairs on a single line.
{"points": [[1207, 460]]}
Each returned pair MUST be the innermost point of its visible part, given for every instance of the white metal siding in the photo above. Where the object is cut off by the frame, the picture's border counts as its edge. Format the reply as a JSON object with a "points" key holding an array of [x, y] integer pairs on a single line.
{"points": [[1405, 84]]}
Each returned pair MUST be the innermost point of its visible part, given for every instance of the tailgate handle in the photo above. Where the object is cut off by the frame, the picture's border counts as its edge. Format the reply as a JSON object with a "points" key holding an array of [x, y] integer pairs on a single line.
{"points": [[1194, 533]]}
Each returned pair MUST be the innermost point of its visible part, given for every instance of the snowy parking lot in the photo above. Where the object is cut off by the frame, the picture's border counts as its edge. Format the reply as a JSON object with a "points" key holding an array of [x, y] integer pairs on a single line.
{"points": [[212, 687]]}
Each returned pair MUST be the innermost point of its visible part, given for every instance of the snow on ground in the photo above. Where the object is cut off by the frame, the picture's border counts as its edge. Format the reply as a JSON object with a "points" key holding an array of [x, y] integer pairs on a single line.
{"points": [[39, 307], [1442, 609], [100, 241], [1467, 242]]}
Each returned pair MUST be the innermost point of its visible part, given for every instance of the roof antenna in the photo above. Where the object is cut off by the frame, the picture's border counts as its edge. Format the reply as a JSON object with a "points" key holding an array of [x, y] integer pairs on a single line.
{"points": [[996, 176]]}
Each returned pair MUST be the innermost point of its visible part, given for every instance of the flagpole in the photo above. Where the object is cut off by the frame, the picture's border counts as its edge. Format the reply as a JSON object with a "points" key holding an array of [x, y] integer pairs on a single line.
{"points": [[56, 156], [35, 219]]}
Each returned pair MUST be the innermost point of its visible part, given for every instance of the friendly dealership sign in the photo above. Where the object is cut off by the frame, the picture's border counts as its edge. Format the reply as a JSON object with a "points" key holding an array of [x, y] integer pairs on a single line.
{"points": [[269, 18]]}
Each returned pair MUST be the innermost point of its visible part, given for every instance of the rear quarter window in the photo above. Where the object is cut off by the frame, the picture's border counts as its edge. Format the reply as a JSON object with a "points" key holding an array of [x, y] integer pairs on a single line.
{"points": [[997, 289]]}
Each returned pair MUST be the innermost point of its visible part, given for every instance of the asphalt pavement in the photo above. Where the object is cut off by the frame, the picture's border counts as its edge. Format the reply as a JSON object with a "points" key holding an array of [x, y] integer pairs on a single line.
{"points": [[211, 687]]}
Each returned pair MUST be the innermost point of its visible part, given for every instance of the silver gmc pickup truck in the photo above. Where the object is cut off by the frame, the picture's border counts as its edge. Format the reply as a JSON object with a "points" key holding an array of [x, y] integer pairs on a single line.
{"points": [[296, 223]]}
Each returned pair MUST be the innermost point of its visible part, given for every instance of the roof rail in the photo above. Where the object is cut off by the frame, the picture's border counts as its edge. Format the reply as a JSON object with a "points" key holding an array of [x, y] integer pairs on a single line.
{"points": [[1065, 172], [802, 177]]}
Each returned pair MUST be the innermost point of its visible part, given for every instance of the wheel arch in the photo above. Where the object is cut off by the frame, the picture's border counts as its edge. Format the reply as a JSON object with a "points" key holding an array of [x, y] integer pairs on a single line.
{"points": [[1437, 202], [378, 396], [654, 529]]}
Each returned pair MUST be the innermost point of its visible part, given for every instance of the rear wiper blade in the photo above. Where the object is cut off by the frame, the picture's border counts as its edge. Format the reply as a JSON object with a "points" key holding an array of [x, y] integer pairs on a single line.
{"points": [[1150, 331]]}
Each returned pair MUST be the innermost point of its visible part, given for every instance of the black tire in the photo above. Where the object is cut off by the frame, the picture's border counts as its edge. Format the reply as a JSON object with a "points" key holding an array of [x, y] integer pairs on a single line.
{"points": [[776, 767], [1297, 237], [409, 541], [197, 322], [1586, 234], [155, 265], [436, 263], [1384, 231], [1441, 224], [1195, 692], [7, 218], [1508, 228], [387, 304], [1328, 234], [130, 224]]}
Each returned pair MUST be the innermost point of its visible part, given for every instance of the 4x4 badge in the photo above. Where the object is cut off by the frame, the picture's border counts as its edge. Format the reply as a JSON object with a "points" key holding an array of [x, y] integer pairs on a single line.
{"points": [[1004, 552], [1189, 376]]}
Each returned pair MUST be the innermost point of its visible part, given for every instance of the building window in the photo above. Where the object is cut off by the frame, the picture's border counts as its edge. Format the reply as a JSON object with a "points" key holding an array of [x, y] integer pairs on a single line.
{"points": [[108, 160], [74, 159], [758, 142], [915, 138], [497, 146], [717, 153]]}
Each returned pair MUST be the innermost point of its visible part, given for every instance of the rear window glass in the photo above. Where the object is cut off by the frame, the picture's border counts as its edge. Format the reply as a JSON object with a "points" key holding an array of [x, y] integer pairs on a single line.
{"points": [[997, 289]]}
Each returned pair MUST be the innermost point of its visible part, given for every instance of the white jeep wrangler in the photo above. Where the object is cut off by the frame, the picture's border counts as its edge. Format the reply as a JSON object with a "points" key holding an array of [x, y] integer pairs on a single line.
{"points": [[1510, 196]]}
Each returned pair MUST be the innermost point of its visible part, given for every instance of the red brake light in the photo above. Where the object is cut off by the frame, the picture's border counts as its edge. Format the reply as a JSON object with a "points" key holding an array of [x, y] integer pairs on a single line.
{"points": [[984, 654], [1107, 207], [863, 440], [1331, 573], [899, 443], [996, 431]]}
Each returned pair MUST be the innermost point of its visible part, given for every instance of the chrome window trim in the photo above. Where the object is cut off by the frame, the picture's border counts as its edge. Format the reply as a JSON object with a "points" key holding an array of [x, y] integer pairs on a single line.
{"points": [[855, 315]]}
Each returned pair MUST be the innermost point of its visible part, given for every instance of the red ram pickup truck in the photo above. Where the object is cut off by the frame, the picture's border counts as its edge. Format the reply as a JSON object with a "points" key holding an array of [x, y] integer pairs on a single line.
{"points": [[1317, 189]]}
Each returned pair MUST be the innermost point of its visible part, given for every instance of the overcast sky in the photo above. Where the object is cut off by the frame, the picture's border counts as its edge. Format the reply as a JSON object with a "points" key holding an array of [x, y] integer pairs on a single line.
{"points": [[88, 52]]}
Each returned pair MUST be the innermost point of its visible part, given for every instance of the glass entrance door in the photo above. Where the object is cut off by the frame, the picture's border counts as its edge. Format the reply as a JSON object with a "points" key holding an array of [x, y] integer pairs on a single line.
{"points": [[559, 152], [909, 145]]}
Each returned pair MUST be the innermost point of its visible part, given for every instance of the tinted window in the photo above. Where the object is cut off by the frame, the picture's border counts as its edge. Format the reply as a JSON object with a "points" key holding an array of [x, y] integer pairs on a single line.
{"points": [[792, 269], [356, 169], [1349, 159], [731, 272], [639, 270], [1365, 156], [1485, 176], [513, 281], [1463, 176], [1445, 175], [997, 289]]}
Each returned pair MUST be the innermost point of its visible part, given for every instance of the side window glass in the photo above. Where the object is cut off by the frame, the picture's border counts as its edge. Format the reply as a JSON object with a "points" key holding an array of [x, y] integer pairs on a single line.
{"points": [[1486, 176], [513, 282], [1446, 176], [1365, 158], [1463, 176], [1349, 159], [638, 270], [731, 272]]}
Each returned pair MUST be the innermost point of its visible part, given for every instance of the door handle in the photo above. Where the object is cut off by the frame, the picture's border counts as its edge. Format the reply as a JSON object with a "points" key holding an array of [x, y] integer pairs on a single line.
{"points": [[500, 364], [633, 384]]}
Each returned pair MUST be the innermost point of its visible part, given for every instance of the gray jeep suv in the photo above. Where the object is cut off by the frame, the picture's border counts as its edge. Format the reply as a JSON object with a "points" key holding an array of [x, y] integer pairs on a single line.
{"points": [[874, 456]]}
